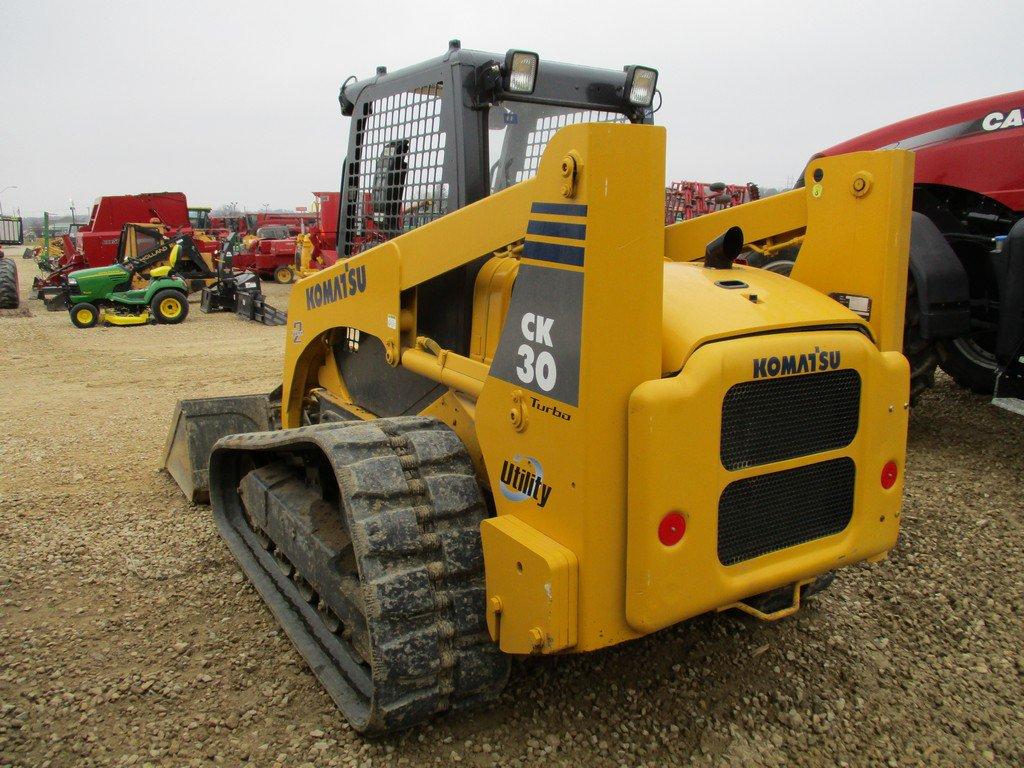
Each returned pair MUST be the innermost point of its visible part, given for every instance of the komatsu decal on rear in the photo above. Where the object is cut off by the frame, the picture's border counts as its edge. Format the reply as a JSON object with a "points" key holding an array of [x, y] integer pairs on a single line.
{"points": [[786, 365], [336, 288]]}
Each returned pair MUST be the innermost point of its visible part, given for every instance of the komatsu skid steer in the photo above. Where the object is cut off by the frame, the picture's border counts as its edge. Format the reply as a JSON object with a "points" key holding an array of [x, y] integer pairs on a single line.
{"points": [[521, 415]]}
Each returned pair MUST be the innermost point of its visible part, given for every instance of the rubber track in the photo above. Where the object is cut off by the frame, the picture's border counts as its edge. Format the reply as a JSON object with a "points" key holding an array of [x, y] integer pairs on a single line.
{"points": [[413, 509], [8, 284]]}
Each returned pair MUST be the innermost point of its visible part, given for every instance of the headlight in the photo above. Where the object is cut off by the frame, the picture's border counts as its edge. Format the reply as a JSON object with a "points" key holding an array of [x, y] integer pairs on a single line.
{"points": [[641, 83], [521, 71]]}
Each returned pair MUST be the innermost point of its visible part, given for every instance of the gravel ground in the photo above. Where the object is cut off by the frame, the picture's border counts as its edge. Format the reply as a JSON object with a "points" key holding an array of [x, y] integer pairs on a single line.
{"points": [[129, 637]]}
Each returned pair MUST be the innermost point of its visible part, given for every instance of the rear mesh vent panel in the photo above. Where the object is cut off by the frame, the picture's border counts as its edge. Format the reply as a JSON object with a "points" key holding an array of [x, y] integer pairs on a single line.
{"points": [[762, 514], [779, 419]]}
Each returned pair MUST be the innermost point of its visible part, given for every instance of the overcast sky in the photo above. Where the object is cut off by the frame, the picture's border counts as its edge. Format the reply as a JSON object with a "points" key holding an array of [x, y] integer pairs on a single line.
{"points": [[237, 101]]}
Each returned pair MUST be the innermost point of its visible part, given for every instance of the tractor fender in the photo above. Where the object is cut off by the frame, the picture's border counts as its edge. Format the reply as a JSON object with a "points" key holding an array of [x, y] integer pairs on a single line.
{"points": [[155, 286], [943, 292]]}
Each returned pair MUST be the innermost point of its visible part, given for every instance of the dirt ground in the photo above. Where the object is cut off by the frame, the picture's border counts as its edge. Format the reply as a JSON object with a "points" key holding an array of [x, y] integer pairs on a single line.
{"points": [[129, 637]]}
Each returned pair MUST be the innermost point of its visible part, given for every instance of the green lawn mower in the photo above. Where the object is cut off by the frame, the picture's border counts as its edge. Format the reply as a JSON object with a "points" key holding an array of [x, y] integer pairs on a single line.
{"points": [[120, 294]]}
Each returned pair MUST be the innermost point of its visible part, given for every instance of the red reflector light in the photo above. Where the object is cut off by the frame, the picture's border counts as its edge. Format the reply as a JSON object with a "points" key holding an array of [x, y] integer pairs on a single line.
{"points": [[889, 473], [671, 528]]}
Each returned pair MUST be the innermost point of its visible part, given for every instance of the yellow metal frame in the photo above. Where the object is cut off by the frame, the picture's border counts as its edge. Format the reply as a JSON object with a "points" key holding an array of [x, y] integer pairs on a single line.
{"points": [[658, 346]]}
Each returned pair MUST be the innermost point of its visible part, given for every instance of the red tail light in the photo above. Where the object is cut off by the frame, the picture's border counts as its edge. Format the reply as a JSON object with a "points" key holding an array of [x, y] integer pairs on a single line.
{"points": [[889, 475], [671, 528]]}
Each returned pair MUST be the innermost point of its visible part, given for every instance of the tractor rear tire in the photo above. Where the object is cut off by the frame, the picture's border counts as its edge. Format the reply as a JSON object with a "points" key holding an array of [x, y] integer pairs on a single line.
{"points": [[10, 297], [84, 315], [969, 364], [284, 275], [919, 351], [169, 306]]}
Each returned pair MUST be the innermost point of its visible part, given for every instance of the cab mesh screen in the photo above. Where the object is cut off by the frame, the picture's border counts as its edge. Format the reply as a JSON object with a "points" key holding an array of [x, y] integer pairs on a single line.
{"points": [[398, 181], [546, 127]]}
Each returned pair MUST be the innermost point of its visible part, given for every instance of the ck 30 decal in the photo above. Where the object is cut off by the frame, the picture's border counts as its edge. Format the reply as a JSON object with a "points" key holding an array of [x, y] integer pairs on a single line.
{"points": [[539, 348], [537, 366]]}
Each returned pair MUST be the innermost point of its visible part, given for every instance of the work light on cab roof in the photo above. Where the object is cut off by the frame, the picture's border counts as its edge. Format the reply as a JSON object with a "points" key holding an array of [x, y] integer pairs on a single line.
{"points": [[521, 71], [642, 83]]}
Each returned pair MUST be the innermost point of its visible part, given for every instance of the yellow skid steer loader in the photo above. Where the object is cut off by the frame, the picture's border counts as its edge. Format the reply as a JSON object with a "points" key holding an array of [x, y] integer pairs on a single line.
{"points": [[522, 416]]}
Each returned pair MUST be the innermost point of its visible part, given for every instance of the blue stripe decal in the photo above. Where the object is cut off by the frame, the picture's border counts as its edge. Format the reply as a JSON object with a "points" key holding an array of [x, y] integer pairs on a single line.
{"points": [[560, 209], [571, 255], [557, 229]]}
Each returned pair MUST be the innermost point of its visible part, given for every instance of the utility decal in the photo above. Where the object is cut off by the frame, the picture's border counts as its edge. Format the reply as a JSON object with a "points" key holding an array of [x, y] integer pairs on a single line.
{"points": [[337, 288], [539, 348], [550, 409], [520, 483], [296, 331], [785, 365]]}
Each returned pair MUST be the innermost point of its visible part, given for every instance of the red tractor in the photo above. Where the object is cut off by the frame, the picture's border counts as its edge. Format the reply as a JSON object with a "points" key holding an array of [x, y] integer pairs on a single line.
{"points": [[271, 254], [275, 251], [965, 303]]}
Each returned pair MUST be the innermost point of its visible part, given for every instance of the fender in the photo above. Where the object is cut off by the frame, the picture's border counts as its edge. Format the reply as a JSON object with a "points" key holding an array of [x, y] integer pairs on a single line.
{"points": [[159, 285], [943, 293]]}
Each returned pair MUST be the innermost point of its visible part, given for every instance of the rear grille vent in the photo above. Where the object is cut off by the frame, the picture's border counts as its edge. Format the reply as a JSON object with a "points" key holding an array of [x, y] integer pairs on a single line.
{"points": [[779, 419], [762, 514]]}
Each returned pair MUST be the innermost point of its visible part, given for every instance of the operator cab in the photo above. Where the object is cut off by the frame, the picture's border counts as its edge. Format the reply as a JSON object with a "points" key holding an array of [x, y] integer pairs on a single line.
{"points": [[432, 138]]}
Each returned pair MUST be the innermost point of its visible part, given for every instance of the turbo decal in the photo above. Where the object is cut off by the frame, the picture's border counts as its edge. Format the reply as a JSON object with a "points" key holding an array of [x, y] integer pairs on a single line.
{"points": [[522, 484], [551, 410], [786, 365], [337, 288]]}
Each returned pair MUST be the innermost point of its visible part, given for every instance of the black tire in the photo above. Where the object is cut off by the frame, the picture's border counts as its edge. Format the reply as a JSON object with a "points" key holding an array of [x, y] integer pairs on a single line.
{"points": [[10, 297], [780, 266], [969, 364], [161, 306], [84, 315], [919, 351], [284, 275]]}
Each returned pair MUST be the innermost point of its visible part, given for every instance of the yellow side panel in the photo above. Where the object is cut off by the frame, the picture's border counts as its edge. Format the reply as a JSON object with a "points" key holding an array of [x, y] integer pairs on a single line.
{"points": [[675, 465], [858, 225], [360, 292], [531, 588], [582, 331]]}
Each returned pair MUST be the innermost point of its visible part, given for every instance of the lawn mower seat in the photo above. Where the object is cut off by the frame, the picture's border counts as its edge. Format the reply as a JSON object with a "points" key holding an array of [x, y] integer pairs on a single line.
{"points": [[165, 269]]}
